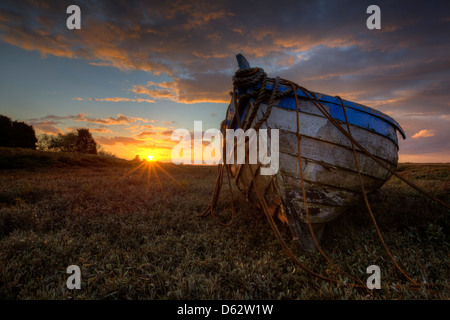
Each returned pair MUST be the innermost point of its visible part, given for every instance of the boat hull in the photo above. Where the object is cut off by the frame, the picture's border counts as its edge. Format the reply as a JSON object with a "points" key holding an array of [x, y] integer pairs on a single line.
{"points": [[330, 177]]}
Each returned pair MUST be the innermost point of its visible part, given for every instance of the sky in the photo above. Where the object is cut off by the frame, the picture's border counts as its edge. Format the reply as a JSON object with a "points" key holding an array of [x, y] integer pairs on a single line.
{"points": [[137, 70]]}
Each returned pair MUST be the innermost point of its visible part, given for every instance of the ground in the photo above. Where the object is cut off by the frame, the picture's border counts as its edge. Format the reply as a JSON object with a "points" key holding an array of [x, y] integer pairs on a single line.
{"points": [[135, 234]]}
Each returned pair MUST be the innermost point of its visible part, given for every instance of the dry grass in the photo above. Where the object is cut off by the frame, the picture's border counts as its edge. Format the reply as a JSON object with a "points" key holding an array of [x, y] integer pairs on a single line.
{"points": [[138, 238], [22, 158]]}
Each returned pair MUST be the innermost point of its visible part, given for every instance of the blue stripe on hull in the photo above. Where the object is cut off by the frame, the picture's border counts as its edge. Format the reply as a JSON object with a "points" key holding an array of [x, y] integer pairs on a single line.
{"points": [[357, 114], [355, 117]]}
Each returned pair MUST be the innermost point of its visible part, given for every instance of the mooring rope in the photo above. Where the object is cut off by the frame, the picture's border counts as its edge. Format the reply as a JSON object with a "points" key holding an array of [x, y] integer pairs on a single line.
{"points": [[305, 204], [312, 97], [243, 81], [335, 123], [263, 204], [217, 188], [366, 201]]}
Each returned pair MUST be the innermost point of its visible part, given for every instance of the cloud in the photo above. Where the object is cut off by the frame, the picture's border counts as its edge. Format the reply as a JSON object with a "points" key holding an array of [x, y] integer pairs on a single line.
{"points": [[437, 144], [116, 140], [101, 130], [163, 90], [49, 122], [425, 133], [195, 43], [53, 118], [199, 87], [121, 119], [156, 131], [145, 134], [97, 130], [47, 127], [115, 99]]}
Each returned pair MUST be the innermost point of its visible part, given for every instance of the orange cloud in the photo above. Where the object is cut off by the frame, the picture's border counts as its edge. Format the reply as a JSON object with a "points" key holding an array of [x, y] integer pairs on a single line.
{"points": [[423, 134], [47, 127], [145, 134], [121, 119], [116, 140], [156, 131], [129, 123], [98, 130], [101, 130], [162, 90], [213, 88], [115, 99]]}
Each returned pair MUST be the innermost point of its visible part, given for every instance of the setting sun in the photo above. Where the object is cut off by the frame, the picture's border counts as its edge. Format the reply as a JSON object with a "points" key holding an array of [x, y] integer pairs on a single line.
{"points": [[150, 158]]}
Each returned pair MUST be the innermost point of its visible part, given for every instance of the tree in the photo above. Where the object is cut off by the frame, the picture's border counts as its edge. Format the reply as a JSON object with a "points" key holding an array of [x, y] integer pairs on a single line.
{"points": [[102, 152], [84, 142], [23, 135], [63, 142], [80, 141], [16, 134], [5, 131], [44, 141]]}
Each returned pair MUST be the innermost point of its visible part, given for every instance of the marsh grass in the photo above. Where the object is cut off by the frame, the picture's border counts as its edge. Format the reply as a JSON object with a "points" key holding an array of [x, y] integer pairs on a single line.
{"points": [[139, 238]]}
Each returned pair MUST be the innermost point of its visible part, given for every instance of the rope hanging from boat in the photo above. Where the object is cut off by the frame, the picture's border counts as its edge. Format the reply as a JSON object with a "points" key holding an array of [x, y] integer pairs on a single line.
{"points": [[329, 117], [247, 79], [316, 243], [325, 112], [217, 188], [261, 95], [366, 201]]}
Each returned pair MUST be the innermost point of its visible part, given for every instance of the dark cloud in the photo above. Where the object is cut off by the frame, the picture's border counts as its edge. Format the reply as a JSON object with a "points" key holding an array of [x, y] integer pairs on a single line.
{"points": [[195, 43]]}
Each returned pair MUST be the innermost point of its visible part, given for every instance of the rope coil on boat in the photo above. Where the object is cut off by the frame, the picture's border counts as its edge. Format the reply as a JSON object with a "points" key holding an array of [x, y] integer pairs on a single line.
{"points": [[244, 81]]}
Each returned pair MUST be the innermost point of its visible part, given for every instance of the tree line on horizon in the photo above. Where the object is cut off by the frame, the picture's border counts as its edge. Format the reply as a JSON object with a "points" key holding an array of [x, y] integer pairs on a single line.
{"points": [[17, 134], [80, 141]]}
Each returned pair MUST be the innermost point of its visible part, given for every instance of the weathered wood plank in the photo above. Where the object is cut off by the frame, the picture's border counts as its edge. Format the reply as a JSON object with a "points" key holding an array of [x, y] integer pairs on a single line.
{"points": [[333, 154], [317, 213], [327, 175], [320, 194], [320, 128]]}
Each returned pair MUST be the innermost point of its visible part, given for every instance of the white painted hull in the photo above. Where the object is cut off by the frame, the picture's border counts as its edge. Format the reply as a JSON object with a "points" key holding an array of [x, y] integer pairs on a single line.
{"points": [[329, 170]]}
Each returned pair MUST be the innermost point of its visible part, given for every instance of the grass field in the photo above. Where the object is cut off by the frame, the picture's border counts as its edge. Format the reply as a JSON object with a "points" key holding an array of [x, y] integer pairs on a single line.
{"points": [[135, 235]]}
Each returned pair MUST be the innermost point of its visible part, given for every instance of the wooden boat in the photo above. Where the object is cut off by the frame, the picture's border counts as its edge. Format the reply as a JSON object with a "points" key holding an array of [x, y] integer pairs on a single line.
{"points": [[330, 177]]}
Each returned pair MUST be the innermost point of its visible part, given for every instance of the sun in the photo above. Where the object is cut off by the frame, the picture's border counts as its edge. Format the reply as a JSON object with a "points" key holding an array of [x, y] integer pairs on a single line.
{"points": [[150, 158]]}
